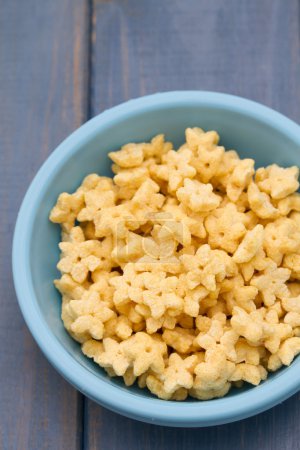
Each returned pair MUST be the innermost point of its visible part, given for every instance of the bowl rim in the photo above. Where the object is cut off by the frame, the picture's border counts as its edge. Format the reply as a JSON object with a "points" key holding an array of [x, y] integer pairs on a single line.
{"points": [[147, 409]]}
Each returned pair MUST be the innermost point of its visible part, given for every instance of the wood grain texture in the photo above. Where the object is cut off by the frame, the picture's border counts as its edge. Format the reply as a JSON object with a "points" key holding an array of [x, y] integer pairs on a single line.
{"points": [[43, 62], [245, 48]]}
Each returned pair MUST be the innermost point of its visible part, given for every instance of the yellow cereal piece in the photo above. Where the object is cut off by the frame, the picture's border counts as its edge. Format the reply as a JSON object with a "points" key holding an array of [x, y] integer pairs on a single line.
{"points": [[113, 356], [251, 243], [286, 353], [156, 386], [292, 262], [179, 339], [288, 204], [229, 161], [144, 353], [147, 194], [260, 203], [204, 394], [66, 209], [182, 271], [187, 219], [80, 258], [92, 348], [259, 262], [245, 326], [207, 162], [249, 373], [199, 197], [271, 283], [277, 181], [68, 287], [89, 315], [291, 304], [214, 372], [281, 237], [225, 228], [116, 221], [240, 178], [179, 373], [175, 167], [249, 354], [196, 136], [207, 267], [130, 155]]}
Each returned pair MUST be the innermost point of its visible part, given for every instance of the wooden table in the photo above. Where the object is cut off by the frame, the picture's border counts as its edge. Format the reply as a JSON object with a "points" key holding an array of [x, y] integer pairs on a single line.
{"points": [[62, 62]]}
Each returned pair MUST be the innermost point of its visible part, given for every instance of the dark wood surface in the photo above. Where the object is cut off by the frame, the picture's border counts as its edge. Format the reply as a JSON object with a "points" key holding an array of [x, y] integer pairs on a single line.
{"points": [[63, 61]]}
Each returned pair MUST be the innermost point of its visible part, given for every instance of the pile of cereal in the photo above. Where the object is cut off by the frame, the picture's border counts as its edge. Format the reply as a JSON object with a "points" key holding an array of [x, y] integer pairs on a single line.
{"points": [[182, 272]]}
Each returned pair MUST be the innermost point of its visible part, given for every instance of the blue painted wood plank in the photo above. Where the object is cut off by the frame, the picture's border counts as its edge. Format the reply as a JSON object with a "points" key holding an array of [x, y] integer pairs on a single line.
{"points": [[43, 83], [247, 48]]}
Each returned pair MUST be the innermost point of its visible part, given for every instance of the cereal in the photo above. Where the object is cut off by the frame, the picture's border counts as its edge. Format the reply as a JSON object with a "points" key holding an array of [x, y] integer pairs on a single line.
{"points": [[182, 272], [199, 197], [276, 181], [226, 228]]}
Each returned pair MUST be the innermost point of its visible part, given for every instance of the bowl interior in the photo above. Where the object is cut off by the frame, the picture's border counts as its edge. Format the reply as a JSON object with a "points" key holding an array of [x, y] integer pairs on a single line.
{"points": [[250, 136]]}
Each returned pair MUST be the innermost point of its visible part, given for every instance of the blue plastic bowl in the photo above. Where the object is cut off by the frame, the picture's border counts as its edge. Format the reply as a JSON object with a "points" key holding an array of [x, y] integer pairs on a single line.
{"points": [[252, 129]]}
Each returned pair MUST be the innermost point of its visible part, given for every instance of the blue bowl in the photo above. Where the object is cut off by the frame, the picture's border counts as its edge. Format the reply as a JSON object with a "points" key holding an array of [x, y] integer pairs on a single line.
{"points": [[252, 129]]}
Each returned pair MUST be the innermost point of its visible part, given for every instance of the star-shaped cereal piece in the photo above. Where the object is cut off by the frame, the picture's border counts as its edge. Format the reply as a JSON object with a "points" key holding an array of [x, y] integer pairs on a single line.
{"points": [[128, 249], [240, 178], [148, 195], [288, 350], [128, 286], [180, 339], [145, 352], [215, 371], [226, 227], [259, 262], [207, 161], [163, 302], [155, 149], [113, 356], [288, 204], [116, 221], [92, 348], [159, 251], [79, 258], [156, 387], [212, 336], [179, 372], [277, 181], [89, 314], [66, 209], [197, 196], [245, 325], [194, 222], [292, 262], [196, 137], [247, 353], [68, 287], [271, 283], [249, 373], [192, 300], [250, 245], [260, 203], [159, 295], [103, 195], [175, 168], [229, 161], [131, 178], [207, 267], [130, 155], [281, 237], [171, 227]]}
